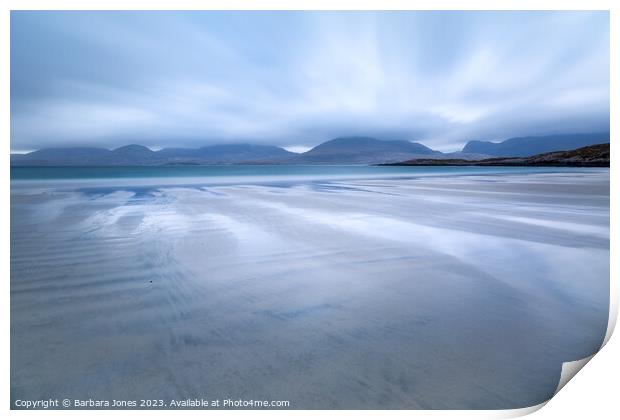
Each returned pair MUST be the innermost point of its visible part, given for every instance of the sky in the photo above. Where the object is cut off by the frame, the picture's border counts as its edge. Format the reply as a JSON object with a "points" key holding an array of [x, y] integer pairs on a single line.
{"points": [[297, 79]]}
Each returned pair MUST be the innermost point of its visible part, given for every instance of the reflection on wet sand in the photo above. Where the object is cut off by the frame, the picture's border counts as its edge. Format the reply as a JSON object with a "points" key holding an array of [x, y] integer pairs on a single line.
{"points": [[451, 292]]}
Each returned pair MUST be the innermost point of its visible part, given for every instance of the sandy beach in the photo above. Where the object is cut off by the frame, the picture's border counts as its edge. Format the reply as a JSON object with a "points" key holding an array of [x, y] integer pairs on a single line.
{"points": [[447, 292]]}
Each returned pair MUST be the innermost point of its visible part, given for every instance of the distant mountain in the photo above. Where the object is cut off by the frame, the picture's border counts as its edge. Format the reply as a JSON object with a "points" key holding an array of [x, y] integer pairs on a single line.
{"points": [[133, 154], [594, 156], [363, 150], [338, 151], [240, 153], [529, 146], [345, 150], [65, 156], [224, 154], [140, 156]]}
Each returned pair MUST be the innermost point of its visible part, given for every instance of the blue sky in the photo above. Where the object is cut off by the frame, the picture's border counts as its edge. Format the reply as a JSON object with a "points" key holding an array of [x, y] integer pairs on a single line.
{"points": [[296, 79]]}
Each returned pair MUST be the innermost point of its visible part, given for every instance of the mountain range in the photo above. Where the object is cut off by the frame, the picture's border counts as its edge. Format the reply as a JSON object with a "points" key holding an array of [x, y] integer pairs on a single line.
{"points": [[597, 155], [343, 150], [529, 146]]}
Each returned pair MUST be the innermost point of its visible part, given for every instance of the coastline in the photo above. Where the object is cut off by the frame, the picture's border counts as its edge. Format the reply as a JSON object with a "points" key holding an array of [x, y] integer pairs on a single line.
{"points": [[595, 156]]}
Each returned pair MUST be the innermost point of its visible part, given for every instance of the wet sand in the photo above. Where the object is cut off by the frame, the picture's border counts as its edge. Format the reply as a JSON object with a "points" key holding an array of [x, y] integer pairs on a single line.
{"points": [[445, 292]]}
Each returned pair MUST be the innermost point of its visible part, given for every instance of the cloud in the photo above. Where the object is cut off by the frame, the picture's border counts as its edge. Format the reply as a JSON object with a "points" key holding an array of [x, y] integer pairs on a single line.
{"points": [[299, 78]]}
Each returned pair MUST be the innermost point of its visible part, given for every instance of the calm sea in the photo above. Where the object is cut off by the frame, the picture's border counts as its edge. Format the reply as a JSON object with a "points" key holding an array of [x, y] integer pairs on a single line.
{"points": [[262, 171]]}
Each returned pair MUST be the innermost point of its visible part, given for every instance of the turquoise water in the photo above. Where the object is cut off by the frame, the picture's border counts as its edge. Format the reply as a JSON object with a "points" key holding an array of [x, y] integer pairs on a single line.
{"points": [[107, 172]]}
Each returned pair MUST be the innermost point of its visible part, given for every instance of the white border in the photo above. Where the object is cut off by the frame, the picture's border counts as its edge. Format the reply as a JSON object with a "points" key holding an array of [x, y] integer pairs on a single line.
{"points": [[594, 388]]}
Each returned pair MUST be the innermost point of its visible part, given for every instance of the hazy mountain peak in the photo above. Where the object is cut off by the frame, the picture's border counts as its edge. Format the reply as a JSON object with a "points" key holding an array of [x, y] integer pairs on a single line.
{"points": [[529, 146], [133, 148]]}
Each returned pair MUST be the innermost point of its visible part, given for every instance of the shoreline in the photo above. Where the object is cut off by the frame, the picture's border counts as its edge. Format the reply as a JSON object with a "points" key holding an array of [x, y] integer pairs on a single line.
{"points": [[506, 164], [211, 181], [595, 156]]}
